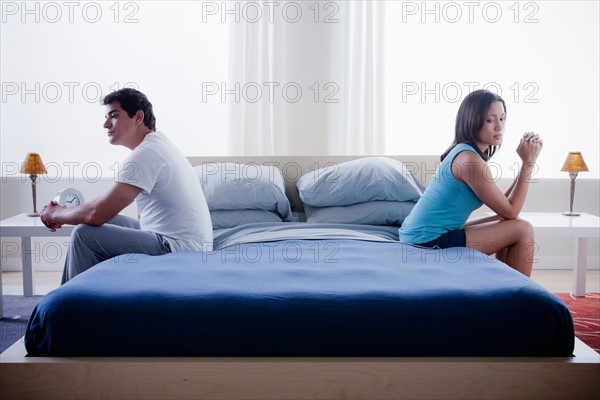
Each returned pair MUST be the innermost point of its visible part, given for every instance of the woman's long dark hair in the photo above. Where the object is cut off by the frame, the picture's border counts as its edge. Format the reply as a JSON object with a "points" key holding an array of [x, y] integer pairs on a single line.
{"points": [[470, 118]]}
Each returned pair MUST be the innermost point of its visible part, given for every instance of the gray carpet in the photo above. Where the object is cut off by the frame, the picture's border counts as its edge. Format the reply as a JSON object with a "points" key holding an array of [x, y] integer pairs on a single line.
{"points": [[17, 310]]}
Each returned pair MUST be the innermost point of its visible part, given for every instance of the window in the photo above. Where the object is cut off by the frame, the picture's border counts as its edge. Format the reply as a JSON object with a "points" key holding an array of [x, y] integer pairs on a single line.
{"points": [[541, 57], [60, 58]]}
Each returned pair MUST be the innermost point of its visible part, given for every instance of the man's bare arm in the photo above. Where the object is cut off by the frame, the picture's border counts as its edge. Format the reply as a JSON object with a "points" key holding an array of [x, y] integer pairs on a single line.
{"points": [[95, 212]]}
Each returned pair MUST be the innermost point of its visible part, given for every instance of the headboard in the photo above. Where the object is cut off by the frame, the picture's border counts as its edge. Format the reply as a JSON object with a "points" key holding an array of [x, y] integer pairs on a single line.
{"points": [[293, 167]]}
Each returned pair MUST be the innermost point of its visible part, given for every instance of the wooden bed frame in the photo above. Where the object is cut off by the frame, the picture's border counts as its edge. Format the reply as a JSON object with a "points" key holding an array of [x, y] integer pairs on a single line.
{"points": [[299, 378], [575, 377]]}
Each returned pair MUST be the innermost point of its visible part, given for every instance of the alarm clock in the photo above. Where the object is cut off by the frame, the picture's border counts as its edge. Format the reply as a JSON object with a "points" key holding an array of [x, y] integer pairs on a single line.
{"points": [[69, 197]]}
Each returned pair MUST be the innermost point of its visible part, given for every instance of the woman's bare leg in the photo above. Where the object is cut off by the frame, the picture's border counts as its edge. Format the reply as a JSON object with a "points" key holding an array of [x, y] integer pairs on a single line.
{"points": [[501, 254], [512, 239]]}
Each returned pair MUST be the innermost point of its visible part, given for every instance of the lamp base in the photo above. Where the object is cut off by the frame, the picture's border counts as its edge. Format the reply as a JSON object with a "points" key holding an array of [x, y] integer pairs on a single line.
{"points": [[571, 214], [33, 214]]}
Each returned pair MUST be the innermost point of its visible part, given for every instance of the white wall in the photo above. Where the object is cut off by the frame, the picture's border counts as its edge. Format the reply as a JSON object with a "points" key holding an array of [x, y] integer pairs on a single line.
{"points": [[542, 57], [171, 49], [60, 58]]}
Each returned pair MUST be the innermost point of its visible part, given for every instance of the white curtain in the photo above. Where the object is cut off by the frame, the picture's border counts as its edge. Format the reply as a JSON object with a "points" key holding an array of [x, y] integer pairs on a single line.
{"points": [[363, 72], [254, 60], [347, 52]]}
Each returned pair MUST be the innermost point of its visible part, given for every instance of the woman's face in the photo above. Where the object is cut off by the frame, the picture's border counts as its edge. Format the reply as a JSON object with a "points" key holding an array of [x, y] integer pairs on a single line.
{"points": [[492, 131]]}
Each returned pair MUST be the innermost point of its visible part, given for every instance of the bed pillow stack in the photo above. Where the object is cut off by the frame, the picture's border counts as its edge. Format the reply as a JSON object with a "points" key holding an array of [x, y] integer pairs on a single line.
{"points": [[373, 191], [243, 193]]}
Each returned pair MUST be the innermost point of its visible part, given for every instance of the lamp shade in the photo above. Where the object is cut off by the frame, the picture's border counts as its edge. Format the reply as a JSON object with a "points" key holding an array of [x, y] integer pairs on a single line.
{"points": [[574, 163], [33, 164]]}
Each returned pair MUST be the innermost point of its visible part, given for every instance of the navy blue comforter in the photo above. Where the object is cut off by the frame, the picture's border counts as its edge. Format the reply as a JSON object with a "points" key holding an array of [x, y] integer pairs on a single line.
{"points": [[302, 298]]}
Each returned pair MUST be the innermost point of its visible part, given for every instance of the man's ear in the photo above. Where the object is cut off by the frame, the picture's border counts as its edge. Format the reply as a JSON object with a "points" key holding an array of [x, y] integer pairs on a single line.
{"points": [[139, 117]]}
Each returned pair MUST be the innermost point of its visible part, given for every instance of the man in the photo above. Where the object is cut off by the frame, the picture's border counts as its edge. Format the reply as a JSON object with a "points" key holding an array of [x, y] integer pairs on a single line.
{"points": [[173, 212]]}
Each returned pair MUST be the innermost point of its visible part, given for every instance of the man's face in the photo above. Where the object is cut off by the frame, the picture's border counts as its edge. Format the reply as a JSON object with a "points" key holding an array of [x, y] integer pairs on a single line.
{"points": [[121, 127]]}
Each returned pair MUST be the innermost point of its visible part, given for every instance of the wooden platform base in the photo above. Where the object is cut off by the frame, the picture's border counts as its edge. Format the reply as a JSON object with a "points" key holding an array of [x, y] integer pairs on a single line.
{"points": [[300, 378]]}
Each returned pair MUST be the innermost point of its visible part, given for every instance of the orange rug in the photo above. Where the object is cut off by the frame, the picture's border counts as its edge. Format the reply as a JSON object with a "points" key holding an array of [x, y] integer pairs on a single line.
{"points": [[586, 315]]}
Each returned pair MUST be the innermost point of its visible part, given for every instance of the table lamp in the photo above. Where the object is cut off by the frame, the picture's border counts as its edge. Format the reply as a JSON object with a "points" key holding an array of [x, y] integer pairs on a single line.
{"points": [[33, 166], [573, 165]]}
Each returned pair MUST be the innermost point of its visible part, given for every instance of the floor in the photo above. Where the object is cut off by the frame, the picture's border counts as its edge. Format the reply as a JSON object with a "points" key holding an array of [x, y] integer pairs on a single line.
{"points": [[43, 282], [555, 280]]}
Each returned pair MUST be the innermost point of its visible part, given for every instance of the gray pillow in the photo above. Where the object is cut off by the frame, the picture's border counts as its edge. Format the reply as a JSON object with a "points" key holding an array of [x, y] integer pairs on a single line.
{"points": [[223, 219], [235, 186], [359, 181], [370, 213]]}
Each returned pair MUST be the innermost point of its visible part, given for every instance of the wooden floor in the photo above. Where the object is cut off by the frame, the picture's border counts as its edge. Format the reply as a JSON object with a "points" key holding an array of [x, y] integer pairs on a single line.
{"points": [[555, 280], [561, 280], [43, 282]]}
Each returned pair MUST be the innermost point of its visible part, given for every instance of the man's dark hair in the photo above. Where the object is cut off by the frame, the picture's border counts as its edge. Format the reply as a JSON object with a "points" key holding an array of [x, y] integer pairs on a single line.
{"points": [[131, 101]]}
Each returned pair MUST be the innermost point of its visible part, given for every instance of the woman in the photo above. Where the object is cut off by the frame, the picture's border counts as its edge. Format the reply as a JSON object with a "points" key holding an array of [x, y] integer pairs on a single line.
{"points": [[463, 182]]}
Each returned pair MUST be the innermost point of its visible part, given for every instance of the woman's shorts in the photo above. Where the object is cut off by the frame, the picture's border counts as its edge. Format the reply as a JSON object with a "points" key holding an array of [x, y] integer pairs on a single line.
{"points": [[457, 238]]}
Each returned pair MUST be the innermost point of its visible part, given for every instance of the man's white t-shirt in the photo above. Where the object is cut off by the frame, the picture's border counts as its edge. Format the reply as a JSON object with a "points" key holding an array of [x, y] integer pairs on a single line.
{"points": [[171, 202]]}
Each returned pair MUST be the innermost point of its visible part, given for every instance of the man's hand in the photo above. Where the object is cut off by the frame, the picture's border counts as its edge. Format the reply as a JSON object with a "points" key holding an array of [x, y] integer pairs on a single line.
{"points": [[95, 212], [48, 216]]}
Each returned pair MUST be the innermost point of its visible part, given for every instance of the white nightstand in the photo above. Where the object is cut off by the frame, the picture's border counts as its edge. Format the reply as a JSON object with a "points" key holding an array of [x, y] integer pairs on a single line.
{"points": [[553, 224], [27, 227]]}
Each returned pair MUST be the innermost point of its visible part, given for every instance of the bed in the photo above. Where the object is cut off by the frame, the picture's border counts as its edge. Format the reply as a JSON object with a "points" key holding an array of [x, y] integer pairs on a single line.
{"points": [[295, 304]]}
